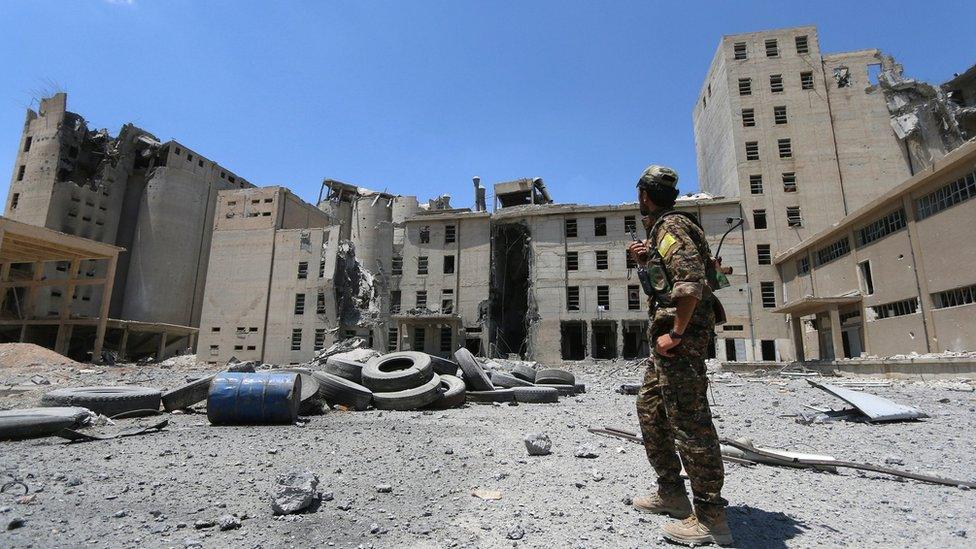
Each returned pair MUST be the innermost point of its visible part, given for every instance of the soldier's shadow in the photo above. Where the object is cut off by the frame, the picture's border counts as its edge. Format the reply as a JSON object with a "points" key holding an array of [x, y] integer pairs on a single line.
{"points": [[754, 527]]}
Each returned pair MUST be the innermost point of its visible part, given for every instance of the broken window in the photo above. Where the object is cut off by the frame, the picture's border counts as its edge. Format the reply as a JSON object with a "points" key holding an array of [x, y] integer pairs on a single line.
{"points": [[630, 224], [897, 308], [422, 265], [633, 298], [570, 226], [446, 338], [764, 254], [954, 297], [752, 150], [302, 270], [745, 86], [867, 282], [768, 292], [322, 268], [732, 327], [419, 336], [789, 182], [448, 264], [27, 143], [894, 221], [421, 299], [391, 339], [20, 172], [802, 45], [425, 234], [755, 184], [319, 342], [602, 263], [793, 218], [320, 303], [299, 304], [600, 226], [450, 234], [843, 77], [758, 219], [200, 163], [447, 301], [572, 261], [396, 265], [572, 298], [832, 251], [806, 80], [772, 48], [803, 265], [296, 339], [178, 151], [779, 114], [785, 148], [395, 301], [603, 297], [739, 50], [748, 118], [947, 196], [14, 200]]}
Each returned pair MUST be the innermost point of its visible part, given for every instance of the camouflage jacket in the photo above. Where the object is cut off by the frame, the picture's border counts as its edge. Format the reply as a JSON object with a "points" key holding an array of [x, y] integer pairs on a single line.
{"points": [[679, 244]]}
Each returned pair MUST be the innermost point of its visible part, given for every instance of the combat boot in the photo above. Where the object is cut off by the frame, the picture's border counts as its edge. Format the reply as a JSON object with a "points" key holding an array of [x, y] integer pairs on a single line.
{"points": [[710, 528], [675, 504]]}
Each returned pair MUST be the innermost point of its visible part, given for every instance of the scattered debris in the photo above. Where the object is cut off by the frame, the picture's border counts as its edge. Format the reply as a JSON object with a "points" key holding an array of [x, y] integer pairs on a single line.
{"points": [[228, 522], [78, 436], [585, 452], [538, 444], [487, 495], [293, 492], [873, 408], [515, 532]]}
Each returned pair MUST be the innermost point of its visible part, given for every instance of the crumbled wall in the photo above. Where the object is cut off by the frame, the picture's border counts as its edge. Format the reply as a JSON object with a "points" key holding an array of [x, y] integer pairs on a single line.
{"points": [[356, 293]]}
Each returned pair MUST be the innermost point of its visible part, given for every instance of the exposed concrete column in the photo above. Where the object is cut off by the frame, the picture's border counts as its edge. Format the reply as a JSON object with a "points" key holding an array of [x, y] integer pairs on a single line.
{"points": [[124, 343], [797, 332], [192, 341], [836, 338], [64, 330], [162, 346], [4, 275], [104, 308], [38, 274], [620, 339]]}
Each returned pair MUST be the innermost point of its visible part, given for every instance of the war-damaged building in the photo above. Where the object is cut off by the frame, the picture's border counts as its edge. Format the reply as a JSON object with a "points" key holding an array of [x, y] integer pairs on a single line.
{"points": [[154, 199]]}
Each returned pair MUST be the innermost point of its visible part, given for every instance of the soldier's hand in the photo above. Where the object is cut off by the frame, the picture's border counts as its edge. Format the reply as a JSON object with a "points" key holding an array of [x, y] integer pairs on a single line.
{"points": [[638, 251], [664, 344]]}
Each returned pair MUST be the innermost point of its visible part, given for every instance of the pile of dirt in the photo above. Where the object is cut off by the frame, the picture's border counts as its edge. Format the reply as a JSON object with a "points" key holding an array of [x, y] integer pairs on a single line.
{"points": [[28, 355]]}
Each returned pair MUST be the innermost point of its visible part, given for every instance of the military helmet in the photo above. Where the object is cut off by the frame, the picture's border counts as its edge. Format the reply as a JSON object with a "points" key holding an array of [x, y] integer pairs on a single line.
{"points": [[658, 175]]}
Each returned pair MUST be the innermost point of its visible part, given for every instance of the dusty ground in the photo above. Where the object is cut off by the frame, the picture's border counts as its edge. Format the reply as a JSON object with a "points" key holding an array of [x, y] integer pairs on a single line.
{"points": [[150, 491]]}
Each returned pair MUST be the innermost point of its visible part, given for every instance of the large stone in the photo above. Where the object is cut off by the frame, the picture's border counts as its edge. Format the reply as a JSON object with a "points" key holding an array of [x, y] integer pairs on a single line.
{"points": [[537, 444], [293, 492]]}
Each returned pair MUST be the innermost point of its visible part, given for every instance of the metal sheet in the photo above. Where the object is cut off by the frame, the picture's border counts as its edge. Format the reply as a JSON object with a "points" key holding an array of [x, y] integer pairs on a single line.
{"points": [[874, 407]]}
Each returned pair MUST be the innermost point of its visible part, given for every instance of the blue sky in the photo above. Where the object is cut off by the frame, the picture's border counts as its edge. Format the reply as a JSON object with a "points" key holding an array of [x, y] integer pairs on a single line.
{"points": [[417, 97]]}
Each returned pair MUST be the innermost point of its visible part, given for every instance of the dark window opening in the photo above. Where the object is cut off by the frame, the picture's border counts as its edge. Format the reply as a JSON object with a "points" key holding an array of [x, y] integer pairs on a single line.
{"points": [[320, 303], [867, 282], [319, 342], [600, 226], [510, 275], [768, 349], [745, 86], [448, 264], [573, 340], [739, 51], [730, 354], [450, 234], [630, 224], [419, 338], [779, 114], [789, 182], [633, 298], [446, 339], [421, 299], [768, 293], [425, 234], [27, 143], [572, 261], [748, 118], [755, 184], [802, 45], [395, 297], [299, 304], [635, 340], [758, 219], [785, 148], [602, 261], [604, 344], [793, 217], [570, 226], [764, 254], [572, 298], [752, 150], [772, 48], [20, 172], [776, 83], [14, 200], [806, 80], [603, 297], [296, 339], [396, 265], [422, 265], [302, 270]]}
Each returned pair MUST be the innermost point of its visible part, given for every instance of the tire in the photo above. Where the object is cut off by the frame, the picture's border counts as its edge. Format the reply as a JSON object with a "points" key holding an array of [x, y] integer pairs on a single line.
{"points": [[443, 366], [474, 375], [452, 393], [579, 387], [107, 401], [501, 379], [524, 372], [336, 390], [496, 395], [187, 395], [554, 376], [310, 385], [39, 422], [409, 399], [344, 368], [564, 390], [536, 395], [398, 372]]}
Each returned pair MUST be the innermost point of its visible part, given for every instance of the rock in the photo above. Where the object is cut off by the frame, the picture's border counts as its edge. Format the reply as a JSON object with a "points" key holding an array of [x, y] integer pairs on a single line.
{"points": [[200, 524], [120, 514], [374, 528], [228, 522], [293, 492], [15, 523], [73, 481], [515, 532], [247, 367], [585, 452], [894, 460], [384, 488], [597, 476], [538, 444]]}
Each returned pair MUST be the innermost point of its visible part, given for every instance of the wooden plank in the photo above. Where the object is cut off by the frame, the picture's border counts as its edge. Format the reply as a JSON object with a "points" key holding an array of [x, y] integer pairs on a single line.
{"points": [[103, 311], [27, 283]]}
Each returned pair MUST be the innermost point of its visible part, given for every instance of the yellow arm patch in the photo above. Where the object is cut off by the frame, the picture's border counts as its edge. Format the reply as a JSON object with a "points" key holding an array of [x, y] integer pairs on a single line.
{"points": [[666, 245]]}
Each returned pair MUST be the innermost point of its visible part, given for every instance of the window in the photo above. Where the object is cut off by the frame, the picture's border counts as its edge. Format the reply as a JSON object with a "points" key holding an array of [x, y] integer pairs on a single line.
{"points": [[776, 83], [299, 304], [806, 80], [732, 327], [446, 339], [189, 157], [755, 184], [602, 263], [419, 336], [238, 347], [20, 172], [772, 48], [832, 251], [572, 261], [448, 264], [779, 114], [803, 265], [319, 342], [764, 254], [630, 224], [14, 200], [27, 143], [396, 266], [789, 182], [395, 297], [600, 226], [739, 50], [391, 339], [954, 297], [320, 303], [629, 263], [880, 228], [302, 270], [422, 265], [572, 298], [322, 269], [215, 329], [758, 219], [768, 292], [447, 301], [949, 195], [603, 297], [843, 77], [178, 151], [802, 45], [785, 148], [752, 150], [867, 282], [897, 308], [253, 329], [200, 164], [793, 217], [424, 234], [745, 86], [748, 118], [296, 339], [450, 234], [633, 298], [570, 226], [421, 299]]}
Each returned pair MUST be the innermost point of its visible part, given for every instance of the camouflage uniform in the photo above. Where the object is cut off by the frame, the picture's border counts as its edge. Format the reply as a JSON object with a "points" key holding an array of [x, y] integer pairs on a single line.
{"points": [[672, 404]]}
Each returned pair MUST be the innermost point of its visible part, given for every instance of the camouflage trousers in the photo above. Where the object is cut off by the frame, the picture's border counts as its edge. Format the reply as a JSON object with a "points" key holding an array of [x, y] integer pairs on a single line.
{"points": [[675, 419]]}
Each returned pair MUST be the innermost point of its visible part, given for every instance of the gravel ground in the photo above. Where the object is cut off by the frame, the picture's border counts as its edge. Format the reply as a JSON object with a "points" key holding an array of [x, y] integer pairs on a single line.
{"points": [[155, 490]]}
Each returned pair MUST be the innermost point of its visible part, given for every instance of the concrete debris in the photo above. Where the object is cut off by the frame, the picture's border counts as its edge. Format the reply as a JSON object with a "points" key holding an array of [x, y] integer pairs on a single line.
{"points": [[358, 298], [228, 522], [487, 495], [585, 452], [537, 444], [293, 492]]}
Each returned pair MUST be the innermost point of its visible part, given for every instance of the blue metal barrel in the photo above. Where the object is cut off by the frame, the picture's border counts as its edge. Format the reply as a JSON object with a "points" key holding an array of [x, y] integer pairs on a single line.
{"points": [[243, 398]]}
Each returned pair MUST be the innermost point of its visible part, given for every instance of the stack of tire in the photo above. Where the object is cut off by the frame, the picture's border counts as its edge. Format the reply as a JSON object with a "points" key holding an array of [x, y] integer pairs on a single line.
{"points": [[522, 384]]}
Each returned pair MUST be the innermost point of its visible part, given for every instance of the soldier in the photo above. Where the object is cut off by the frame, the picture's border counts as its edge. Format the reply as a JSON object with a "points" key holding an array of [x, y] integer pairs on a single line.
{"points": [[672, 404]]}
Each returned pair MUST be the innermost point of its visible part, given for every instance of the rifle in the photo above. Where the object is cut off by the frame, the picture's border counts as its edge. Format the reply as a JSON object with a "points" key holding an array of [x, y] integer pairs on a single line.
{"points": [[642, 275]]}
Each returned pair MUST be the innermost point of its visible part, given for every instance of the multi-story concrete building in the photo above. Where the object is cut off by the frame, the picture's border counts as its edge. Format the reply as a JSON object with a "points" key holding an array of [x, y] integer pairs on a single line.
{"points": [[154, 199]]}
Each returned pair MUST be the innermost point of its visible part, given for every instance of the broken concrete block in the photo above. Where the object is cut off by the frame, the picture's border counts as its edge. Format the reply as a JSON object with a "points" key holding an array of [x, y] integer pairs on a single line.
{"points": [[293, 492], [538, 444]]}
